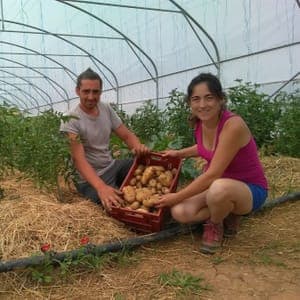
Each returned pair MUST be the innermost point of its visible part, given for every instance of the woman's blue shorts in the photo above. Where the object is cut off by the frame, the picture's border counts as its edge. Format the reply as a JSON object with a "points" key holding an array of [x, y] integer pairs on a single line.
{"points": [[259, 195]]}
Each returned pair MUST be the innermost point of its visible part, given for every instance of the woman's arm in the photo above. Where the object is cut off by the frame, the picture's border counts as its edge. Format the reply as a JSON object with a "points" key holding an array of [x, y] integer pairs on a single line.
{"points": [[182, 153]]}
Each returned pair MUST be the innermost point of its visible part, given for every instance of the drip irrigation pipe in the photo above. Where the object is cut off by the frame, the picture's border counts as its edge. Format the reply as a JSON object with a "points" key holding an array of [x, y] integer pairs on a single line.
{"points": [[127, 244]]}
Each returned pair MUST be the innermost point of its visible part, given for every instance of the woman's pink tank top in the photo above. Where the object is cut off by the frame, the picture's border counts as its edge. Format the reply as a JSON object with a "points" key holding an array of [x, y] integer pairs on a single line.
{"points": [[245, 166]]}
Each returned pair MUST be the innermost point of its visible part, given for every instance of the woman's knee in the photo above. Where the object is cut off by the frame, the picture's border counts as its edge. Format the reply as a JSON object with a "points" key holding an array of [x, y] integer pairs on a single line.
{"points": [[179, 214], [218, 192]]}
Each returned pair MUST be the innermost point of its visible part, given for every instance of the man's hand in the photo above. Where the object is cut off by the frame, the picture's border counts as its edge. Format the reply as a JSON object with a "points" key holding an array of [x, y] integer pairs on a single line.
{"points": [[140, 149], [110, 196]]}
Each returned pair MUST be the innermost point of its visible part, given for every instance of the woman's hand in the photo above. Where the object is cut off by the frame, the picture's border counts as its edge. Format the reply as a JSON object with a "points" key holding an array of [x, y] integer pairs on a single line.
{"points": [[167, 200], [171, 153]]}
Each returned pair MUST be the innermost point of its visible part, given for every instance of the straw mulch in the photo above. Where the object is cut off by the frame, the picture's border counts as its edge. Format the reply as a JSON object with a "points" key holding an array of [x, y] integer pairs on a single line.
{"points": [[283, 174], [31, 217]]}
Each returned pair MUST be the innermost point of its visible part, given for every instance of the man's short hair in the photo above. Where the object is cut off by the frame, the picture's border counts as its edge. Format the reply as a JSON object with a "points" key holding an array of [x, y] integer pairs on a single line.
{"points": [[88, 74]]}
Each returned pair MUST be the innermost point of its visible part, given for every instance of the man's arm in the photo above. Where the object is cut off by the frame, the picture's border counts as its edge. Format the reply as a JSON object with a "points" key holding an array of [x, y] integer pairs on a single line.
{"points": [[106, 193], [131, 140]]}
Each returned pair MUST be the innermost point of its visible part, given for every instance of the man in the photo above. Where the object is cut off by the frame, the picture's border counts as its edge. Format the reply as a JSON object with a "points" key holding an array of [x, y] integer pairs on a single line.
{"points": [[99, 175]]}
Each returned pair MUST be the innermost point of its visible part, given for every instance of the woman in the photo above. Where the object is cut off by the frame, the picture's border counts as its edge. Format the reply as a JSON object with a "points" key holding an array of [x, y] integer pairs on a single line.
{"points": [[233, 182]]}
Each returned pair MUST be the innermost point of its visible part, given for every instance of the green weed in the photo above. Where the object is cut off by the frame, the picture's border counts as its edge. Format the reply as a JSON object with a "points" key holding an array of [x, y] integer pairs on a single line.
{"points": [[266, 259], [118, 296], [184, 282], [216, 260], [269, 254], [45, 272], [123, 259]]}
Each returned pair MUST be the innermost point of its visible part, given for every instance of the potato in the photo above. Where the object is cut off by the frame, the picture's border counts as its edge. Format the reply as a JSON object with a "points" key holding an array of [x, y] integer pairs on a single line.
{"points": [[143, 209], [138, 172], [153, 199], [152, 182], [147, 175], [159, 186], [141, 167], [159, 168], [150, 202], [145, 187], [142, 194], [165, 190], [153, 190], [132, 181], [166, 178], [129, 193], [146, 203], [139, 185], [135, 205], [158, 173]]}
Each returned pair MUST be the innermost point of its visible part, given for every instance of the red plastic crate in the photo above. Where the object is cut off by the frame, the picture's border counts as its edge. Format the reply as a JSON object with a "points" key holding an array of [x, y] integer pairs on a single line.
{"points": [[147, 221]]}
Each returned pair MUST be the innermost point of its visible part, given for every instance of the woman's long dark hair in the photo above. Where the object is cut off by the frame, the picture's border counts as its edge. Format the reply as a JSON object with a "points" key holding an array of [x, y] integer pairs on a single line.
{"points": [[214, 86]]}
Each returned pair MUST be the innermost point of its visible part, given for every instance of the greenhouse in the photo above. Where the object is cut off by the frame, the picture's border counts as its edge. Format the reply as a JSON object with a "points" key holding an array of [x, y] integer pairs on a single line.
{"points": [[177, 176], [143, 49]]}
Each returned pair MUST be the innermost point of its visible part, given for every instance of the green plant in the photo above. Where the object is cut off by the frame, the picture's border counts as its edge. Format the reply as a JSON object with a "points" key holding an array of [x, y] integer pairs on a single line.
{"points": [[123, 258], [177, 113], [216, 260], [268, 260], [147, 121], [186, 283], [41, 277], [188, 171], [9, 120], [121, 113], [118, 148], [270, 254], [43, 153], [287, 139], [43, 273], [259, 112], [162, 141], [84, 259], [34, 146], [1, 193], [118, 296]]}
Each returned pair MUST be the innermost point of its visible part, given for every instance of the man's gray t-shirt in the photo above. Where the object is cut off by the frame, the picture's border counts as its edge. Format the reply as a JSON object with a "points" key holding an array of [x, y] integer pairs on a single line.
{"points": [[94, 133]]}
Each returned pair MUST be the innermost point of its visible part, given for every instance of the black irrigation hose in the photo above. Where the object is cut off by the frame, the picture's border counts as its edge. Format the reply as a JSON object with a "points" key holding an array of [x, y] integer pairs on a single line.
{"points": [[130, 243], [282, 199], [97, 250]]}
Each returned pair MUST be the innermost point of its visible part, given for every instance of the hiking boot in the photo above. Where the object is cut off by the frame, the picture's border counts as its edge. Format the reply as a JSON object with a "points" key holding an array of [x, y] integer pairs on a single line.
{"points": [[212, 237], [231, 225]]}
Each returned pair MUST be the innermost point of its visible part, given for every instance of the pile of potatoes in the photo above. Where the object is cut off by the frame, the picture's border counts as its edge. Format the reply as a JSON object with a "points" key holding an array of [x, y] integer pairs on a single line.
{"points": [[146, 185]]}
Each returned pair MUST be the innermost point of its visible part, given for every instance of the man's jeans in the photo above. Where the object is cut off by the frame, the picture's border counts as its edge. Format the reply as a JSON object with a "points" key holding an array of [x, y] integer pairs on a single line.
{"points": [[114, 177]]}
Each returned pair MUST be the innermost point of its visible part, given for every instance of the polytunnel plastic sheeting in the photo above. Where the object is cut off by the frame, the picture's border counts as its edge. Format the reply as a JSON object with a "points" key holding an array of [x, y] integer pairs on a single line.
{"points": [[142, 49]]}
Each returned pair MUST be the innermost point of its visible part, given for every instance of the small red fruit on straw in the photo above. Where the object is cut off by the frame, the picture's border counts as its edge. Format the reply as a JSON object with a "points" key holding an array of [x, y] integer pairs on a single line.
{"points": [[45, 247], [84, 240]]}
